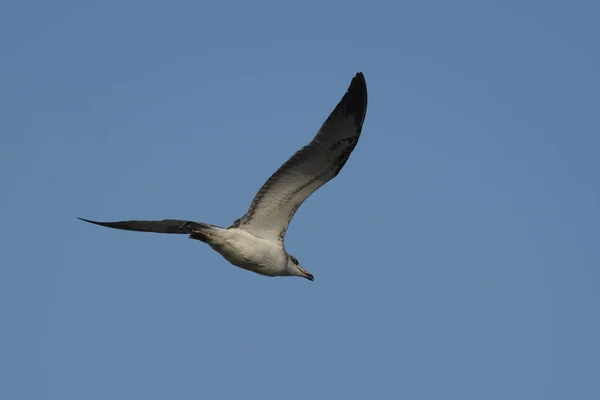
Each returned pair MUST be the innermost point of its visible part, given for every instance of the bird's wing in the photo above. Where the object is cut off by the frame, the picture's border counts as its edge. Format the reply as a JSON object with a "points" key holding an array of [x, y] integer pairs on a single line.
{"points": [[164, 226], [311, 167]]}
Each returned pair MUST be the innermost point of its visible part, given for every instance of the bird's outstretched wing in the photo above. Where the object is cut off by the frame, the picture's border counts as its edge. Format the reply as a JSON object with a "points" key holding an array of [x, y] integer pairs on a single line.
{"points": [[163, 226], [311, 167]]}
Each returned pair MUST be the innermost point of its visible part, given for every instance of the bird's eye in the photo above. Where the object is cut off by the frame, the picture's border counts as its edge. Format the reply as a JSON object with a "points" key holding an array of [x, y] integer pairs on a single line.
{"points": [[294, 260]]}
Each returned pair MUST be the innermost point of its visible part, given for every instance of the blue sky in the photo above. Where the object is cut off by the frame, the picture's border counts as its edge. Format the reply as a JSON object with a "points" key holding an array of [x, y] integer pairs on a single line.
{"points": [[455, 256]]}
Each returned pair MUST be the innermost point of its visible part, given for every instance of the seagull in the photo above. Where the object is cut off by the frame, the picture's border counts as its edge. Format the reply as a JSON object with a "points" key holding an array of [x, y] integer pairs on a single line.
{"points": [[255, 242]]}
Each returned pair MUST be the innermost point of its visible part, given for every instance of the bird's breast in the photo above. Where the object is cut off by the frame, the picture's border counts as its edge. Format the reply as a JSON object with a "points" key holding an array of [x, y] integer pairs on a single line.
{"points": [[247, 251]]}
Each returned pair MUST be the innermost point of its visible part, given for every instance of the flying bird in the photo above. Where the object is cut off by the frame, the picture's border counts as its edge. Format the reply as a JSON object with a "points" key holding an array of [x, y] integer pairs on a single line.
{"points": [[255, 242]]}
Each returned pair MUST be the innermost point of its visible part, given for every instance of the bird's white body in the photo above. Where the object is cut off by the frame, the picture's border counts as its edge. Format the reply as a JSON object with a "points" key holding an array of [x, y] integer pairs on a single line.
{"points": [[244, 250]]}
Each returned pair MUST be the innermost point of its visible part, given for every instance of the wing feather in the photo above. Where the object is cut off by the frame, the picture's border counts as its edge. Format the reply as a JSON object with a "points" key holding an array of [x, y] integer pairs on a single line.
{"points": [[310, 168], [175, 226]]}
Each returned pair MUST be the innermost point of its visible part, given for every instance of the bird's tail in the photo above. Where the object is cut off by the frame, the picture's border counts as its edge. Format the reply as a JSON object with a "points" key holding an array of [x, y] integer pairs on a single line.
{"points": [[196, 230]]}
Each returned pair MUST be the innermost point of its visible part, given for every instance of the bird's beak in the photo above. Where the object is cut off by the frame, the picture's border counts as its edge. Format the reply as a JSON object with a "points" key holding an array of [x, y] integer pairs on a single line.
{"points": [[306, 274]]}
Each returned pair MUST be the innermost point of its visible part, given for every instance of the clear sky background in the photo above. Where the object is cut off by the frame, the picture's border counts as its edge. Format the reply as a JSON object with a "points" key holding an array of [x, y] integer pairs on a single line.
{"points": [[455, 256]]}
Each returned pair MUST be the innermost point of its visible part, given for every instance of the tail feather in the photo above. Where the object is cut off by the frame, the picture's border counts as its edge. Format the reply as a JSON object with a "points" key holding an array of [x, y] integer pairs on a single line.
{"points": [[175, 226]]}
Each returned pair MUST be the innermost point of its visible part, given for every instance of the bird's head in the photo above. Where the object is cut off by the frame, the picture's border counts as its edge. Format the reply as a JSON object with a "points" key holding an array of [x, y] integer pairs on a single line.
{"points": [[296, 270]]}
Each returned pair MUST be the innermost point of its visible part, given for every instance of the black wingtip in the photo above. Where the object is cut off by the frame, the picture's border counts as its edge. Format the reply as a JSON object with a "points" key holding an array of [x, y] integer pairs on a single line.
{"points": [[358, 82], [123, 225], [359, 85], [360, 77], [91, 222], [114, 225], [356, 98]]}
